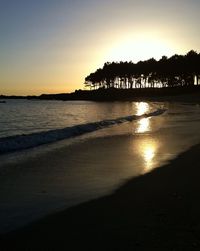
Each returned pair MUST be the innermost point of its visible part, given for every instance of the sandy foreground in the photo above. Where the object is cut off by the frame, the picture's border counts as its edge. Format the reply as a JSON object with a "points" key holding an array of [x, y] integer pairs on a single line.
{"points": [[157, 211]]}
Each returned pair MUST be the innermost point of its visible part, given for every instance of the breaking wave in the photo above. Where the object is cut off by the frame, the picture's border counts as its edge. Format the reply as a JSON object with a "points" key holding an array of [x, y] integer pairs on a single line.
{"points": [[25, 141]]}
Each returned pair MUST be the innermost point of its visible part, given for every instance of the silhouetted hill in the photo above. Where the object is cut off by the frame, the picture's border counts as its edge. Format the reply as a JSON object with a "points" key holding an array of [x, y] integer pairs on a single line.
{"points": [[112, 94]]}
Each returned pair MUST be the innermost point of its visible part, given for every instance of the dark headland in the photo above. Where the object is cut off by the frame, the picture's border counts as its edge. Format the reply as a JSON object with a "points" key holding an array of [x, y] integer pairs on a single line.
{"points": [[114, 94]]}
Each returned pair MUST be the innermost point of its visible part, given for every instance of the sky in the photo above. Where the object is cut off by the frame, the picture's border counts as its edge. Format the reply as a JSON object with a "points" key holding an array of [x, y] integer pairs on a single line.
{"points": [[50, 46]]}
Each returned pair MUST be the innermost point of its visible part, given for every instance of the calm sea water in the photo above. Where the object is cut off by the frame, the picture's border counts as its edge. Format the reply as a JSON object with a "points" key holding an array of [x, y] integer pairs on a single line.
{"points": [[25, 124], [25, 117], [97, 152]]}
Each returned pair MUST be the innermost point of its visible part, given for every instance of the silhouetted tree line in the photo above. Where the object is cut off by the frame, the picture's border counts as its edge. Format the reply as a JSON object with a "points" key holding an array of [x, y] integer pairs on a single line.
{"points": [[178, 70]]}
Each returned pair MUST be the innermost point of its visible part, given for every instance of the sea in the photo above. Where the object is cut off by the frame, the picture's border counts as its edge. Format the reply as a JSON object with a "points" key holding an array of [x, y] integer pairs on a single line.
{"points": [[57, 154]]}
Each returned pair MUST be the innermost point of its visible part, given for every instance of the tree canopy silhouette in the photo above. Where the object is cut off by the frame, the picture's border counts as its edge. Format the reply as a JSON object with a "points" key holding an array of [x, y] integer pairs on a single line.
{"points": [[178, 70]]}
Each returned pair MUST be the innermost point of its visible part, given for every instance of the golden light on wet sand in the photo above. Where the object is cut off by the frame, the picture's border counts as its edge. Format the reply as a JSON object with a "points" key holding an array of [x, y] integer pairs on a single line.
{"points": [[148, 150], [149, 153]]}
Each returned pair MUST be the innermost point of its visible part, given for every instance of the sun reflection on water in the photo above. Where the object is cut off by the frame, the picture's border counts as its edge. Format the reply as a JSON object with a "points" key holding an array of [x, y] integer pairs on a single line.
{"points": [[147, 147], [142, 108], [143, 125]]}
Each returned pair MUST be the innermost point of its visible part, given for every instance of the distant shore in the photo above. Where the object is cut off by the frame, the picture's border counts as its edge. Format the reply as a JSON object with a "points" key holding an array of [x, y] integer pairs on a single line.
{"points": [[112, 94]]}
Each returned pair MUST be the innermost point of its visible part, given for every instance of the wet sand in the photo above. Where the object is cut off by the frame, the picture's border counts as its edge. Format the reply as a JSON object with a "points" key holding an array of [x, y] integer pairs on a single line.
{"points": [[157, 211]]}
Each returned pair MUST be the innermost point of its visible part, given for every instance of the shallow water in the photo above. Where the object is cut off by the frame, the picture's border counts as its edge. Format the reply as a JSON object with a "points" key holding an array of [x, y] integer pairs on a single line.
{"points": [[52, 177]]}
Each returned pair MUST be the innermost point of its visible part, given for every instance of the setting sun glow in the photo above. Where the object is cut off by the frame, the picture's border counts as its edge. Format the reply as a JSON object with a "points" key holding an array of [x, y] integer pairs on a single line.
{"points": [[140, 48]]}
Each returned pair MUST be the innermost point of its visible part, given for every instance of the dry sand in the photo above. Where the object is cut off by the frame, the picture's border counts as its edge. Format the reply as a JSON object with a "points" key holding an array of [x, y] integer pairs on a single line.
{"points": [[156, 211]]}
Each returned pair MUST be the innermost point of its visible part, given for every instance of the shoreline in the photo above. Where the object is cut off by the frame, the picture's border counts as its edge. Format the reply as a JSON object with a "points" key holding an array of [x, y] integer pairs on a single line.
{"points": [[159, 210], [113, 94]]}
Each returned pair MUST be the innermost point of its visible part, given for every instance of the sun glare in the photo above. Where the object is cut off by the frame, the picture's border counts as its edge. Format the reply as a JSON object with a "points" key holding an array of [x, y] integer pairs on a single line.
{"points": [[142, 108], [143, 125], [139, 48]]}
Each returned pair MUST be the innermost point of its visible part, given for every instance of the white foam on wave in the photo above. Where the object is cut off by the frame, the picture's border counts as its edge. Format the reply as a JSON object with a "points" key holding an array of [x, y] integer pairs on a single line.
{"points": [[25, 141]]}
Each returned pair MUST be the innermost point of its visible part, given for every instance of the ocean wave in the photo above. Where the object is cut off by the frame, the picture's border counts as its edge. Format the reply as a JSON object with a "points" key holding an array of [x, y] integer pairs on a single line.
{"points": [[25, 141]]}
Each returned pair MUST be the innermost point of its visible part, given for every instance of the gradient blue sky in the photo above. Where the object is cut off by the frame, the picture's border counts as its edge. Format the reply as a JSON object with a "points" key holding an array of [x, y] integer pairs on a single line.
{"points": [[49, 46]]}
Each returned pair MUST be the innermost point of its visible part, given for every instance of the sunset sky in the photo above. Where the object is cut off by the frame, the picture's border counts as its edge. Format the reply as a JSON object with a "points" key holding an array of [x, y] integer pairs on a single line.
{"points": [[50, 46]]}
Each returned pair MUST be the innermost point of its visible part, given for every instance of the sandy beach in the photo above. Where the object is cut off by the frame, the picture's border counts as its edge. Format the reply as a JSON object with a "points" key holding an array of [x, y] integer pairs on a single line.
{"points": [[156, 211]]}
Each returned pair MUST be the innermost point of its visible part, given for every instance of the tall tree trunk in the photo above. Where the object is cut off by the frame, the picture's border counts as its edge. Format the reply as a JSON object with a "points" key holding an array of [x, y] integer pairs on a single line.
{"points": [[145, 81]]}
